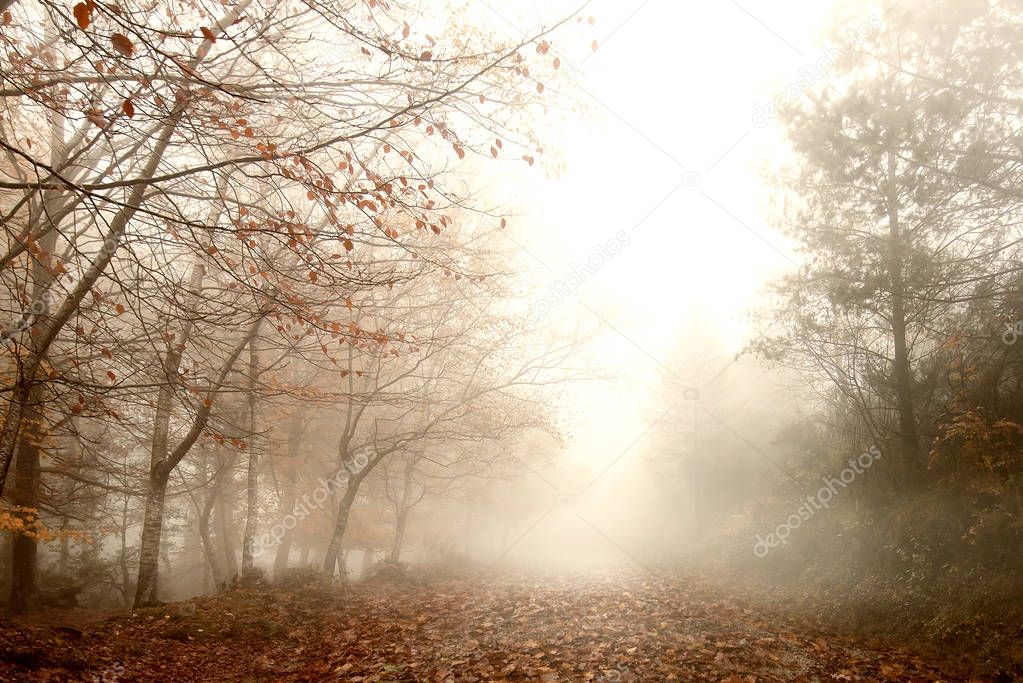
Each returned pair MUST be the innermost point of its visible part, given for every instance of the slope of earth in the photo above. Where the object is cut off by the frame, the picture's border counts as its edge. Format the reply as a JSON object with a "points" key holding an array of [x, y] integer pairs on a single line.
{"points": [[605, 628]]}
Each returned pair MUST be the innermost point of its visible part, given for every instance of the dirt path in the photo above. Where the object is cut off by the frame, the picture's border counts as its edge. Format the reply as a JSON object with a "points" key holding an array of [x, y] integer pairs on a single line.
{"points": [[600, 629]]}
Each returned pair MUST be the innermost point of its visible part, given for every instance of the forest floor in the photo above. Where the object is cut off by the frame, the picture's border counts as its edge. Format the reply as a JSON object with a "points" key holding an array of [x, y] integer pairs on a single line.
{"points": [[595, 628]]}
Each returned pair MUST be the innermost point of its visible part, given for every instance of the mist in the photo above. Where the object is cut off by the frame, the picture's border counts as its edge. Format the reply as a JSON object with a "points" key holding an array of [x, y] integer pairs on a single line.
{"points": [[485, 341]]}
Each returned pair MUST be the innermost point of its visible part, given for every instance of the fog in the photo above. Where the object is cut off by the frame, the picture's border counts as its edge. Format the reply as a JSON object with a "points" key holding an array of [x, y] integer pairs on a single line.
{"points": [[472, 341]]}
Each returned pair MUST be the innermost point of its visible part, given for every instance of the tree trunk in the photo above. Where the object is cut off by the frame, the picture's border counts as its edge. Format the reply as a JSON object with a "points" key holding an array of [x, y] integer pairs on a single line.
{"points": [[65, 549], [16, 405], [400, 523], [209, 552], [288, 498], [468, 526], [25, 427], [224, 535], [330, 558], [283, 555], [156, 493], [123, 557], [402, 507], [252, 474], [211, 571], [367, 562], [207, 575], [342, 567], [149, 545], [26, 495], [159, 473], [901, 369]]}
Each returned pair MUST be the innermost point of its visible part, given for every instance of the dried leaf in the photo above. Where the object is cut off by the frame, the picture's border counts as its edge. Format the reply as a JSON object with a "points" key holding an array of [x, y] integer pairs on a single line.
{"points": [[122, 44], [83, 15]]}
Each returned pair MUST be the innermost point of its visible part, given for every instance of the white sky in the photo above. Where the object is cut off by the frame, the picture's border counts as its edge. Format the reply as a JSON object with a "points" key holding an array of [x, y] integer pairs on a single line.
{"points": [[676, 83]]}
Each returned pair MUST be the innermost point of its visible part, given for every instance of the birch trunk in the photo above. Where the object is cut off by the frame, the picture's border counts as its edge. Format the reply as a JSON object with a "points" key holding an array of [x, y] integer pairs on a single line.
{"points": [[330, 559], [252, 473]]}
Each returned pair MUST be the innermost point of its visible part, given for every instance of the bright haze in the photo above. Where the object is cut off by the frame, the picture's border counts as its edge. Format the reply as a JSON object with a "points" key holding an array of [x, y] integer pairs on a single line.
{"points": [[454, 340]]}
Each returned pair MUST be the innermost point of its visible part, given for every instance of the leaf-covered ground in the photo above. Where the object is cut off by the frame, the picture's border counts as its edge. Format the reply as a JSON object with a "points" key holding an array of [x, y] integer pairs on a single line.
{"points": [[606, 628]]}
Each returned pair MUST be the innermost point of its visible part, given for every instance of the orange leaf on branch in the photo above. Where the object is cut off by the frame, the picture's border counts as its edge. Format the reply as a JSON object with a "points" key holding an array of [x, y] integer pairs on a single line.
{"points": [[83, 14], [122, 44]]}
